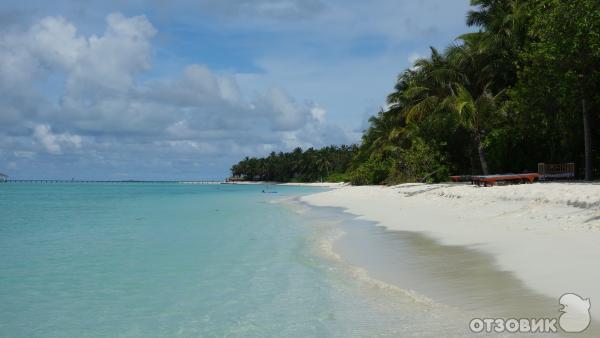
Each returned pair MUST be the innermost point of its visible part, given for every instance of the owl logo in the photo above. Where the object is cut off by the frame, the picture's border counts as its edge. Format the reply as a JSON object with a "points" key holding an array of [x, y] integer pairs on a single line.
{"points": [[575, 315]]}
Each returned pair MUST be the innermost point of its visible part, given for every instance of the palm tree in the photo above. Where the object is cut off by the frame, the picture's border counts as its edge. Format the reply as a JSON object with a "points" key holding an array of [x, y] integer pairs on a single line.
{"points": [[457, 82], [378, 136], [474, 113], [504, 26], [323, 165]]}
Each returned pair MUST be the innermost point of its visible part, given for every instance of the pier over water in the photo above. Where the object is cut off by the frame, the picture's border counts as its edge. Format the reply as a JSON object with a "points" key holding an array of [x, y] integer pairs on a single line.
{"points": [[205, 181]]}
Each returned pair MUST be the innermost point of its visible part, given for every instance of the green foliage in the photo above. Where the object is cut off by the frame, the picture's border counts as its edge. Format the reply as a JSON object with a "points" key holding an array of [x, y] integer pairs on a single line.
{"points": [[557, 71], [297, 166], [372, 171], [337, 177], [419, 163], [501, 99]]}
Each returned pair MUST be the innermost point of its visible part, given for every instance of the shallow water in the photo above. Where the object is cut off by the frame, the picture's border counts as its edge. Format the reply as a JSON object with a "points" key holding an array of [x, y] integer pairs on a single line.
{"points": [[464, 280], [156, 260], [140, 260]]}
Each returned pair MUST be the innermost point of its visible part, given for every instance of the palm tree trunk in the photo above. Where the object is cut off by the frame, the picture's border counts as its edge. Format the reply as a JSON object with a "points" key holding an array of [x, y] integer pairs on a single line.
{"points": [[484, 166], [587, 135]]}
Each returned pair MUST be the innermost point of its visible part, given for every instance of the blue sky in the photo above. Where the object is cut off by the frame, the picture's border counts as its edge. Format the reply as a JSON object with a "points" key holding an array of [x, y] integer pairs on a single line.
{"points": [[183, 89]]}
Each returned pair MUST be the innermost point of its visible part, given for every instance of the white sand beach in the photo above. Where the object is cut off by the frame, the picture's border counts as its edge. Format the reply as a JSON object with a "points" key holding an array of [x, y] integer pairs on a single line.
{"points": [[546, 234], [331, 185]]}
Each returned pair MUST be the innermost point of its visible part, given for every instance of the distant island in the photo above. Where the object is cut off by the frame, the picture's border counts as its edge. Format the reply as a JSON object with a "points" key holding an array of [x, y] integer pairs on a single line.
{"points": [[522, 89]]}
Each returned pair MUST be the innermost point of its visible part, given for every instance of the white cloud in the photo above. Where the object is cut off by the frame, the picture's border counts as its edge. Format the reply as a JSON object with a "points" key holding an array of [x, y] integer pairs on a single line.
{"points": [[46, 138], [113, 59], [55, 42], [89, 88], [310, 64], [283, 112], [53, 142], [318, 113]]}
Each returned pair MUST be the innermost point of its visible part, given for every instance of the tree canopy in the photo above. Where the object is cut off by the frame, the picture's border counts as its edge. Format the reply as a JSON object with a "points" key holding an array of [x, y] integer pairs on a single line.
{"points": [[325, 164]]}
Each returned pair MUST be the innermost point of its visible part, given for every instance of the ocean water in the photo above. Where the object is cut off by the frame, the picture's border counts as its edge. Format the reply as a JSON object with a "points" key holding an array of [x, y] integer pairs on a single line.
{"points": [[166, 260]]}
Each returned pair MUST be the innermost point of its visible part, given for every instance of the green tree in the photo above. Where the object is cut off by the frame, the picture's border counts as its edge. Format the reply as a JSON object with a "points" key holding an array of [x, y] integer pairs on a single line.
{"points": [[475, 113], [562, 64]]}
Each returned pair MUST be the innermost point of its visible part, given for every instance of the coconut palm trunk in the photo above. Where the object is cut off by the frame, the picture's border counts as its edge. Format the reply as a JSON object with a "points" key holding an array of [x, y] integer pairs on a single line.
{"points": [[587, 134], [484, 166]]}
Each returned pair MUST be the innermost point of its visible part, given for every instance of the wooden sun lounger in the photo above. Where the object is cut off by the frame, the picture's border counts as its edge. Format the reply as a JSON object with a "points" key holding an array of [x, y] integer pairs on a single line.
{"points": [[490, 180], [461, 178]]}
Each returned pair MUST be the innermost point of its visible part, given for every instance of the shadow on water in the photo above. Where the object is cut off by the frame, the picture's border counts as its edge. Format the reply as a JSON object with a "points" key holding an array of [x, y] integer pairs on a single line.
{"points": [[462, 277]]}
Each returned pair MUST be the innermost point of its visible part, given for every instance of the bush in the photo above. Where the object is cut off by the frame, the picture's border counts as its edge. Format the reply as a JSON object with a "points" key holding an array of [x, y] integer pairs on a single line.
{"points": [[373, 171], [419, 163], [337, 177]]}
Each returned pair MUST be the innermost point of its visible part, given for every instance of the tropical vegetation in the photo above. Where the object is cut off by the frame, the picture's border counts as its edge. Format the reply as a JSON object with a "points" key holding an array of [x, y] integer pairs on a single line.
{"points": [[523, 87], [325, 164]]}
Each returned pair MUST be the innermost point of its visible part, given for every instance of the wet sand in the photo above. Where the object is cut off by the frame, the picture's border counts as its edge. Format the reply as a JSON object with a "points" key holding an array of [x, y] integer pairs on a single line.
{"points": [[462, 277]]}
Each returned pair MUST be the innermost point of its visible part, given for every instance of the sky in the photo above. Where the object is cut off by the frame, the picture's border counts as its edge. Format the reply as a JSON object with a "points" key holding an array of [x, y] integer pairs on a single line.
{"points": [[177, 90]]}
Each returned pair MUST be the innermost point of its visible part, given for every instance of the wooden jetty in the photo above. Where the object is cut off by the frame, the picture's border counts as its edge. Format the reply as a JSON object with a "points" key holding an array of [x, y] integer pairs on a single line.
{"points": [[39, 181]]}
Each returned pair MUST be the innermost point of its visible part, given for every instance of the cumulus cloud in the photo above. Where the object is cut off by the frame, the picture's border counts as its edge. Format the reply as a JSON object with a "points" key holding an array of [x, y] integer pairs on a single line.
{"points": [[54, 43], [282, 111], [92, 90], [141, 101], [110, 61], [53, 142]]}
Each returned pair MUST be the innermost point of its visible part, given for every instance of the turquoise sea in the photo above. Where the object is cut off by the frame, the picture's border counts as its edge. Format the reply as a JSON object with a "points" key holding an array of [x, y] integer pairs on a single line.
{"points": [[165, 260]]}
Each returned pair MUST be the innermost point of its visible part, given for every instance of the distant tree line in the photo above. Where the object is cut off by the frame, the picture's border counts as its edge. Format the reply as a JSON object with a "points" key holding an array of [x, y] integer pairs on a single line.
{"points": [[313, 165], [524, 88]]}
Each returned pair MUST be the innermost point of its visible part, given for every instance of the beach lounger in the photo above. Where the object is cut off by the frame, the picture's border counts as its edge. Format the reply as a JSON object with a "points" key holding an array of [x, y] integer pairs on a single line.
{"points": [[490, 180]]}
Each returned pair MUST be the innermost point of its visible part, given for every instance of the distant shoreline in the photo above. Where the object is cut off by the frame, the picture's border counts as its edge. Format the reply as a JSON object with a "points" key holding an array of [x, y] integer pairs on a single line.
{"points": [[299, 184]]}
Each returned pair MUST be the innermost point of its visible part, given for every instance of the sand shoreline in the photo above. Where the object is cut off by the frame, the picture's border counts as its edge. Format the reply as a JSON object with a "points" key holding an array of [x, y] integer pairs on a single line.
{"points": [[547, 235], [331, 185]]}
